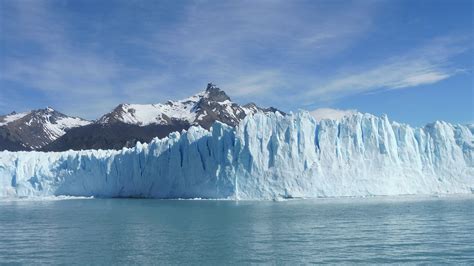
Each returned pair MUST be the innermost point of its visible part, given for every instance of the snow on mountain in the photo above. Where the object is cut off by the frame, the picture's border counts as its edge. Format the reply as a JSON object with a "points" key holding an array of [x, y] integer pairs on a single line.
{"points": [[198, 109], [332, 114], [34, 129], [5, 119], [58, 127], [267, 156], [146, 114]]}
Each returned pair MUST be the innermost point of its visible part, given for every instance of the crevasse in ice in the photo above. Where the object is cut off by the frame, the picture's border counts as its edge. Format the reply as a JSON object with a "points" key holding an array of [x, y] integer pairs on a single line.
{"points": [[267, 156]]}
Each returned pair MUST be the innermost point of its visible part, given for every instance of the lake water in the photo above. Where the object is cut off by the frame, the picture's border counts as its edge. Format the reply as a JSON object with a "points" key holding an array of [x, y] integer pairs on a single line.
{"points": [[125, 231]]}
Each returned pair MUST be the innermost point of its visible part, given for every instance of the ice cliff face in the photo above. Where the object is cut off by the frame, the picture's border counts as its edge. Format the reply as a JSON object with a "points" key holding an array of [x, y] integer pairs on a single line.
{"points": [[266, 156]]}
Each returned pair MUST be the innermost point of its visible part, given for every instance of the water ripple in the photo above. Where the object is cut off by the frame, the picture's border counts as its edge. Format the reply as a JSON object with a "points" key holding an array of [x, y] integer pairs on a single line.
{"points": [[120, 231]]}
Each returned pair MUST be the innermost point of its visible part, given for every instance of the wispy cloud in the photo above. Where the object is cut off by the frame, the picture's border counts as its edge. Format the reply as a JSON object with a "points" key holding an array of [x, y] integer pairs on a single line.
{"points": [[421, 66], [248, 46], [244, 46], [76, 79], [271, 52]]}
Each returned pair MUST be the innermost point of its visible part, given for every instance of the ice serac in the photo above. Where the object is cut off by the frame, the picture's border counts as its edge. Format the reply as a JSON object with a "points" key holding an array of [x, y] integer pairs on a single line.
{"points": [[267, 156]]}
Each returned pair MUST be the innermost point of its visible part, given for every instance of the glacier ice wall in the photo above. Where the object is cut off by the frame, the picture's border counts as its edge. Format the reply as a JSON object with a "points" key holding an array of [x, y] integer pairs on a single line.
{"points": [[266, 156]]}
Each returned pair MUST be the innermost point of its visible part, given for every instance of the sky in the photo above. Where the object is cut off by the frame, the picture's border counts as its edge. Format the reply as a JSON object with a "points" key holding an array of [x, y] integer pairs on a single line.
{"points": [[411, 60]]}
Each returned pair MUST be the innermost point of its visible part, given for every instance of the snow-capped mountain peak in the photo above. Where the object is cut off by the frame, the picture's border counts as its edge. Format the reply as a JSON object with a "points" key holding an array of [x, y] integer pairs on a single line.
{"points": [[11, 117], [36, 128], [203, 109]]}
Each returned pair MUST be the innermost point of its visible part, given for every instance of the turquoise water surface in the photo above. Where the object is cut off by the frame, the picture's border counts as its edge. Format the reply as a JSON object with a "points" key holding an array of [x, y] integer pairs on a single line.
{"points": [[139, 231]]}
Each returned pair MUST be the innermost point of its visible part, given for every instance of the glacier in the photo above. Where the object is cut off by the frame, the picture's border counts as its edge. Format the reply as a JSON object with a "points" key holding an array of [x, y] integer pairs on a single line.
{"points": [[267, 156]]}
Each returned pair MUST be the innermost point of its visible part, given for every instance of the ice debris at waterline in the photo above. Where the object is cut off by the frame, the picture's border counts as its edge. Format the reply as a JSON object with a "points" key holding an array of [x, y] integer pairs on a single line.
{"points": [[265, 157]]}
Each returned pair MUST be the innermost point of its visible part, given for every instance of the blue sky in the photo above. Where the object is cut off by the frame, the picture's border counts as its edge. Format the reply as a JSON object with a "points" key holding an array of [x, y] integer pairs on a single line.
{"points": [[412, 60]]}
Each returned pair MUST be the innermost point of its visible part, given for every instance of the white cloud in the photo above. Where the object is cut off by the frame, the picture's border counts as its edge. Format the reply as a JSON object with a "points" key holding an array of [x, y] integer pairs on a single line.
{"points": [[421, 66], [333, 114], [416, 79], [254, 84]]}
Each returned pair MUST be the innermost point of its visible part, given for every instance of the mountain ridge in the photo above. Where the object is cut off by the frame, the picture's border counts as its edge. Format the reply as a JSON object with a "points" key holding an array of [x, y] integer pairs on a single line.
{"points": [[128, 124], [35, 129]]}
